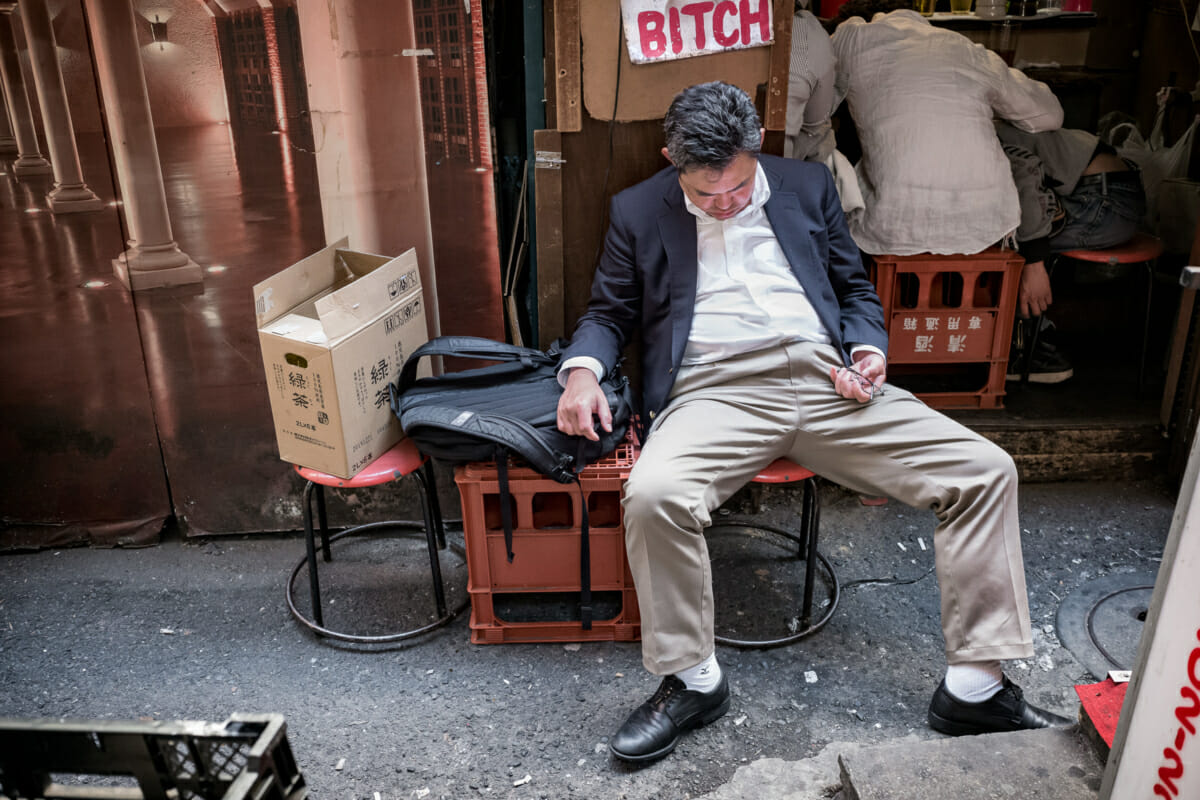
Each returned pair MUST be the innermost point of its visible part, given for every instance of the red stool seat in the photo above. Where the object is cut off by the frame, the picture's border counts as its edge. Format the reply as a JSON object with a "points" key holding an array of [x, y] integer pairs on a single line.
{"points": [[781, 470], [402, 460], [1141, 248], [786, 471]]}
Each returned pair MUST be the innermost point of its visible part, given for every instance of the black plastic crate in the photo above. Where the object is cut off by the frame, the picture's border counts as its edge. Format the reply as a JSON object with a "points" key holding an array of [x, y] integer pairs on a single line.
{"points": [[246, 757]]}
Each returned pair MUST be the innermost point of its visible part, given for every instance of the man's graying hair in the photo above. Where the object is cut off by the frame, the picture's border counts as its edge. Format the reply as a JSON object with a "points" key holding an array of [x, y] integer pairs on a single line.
{"points": [[708, 124]]}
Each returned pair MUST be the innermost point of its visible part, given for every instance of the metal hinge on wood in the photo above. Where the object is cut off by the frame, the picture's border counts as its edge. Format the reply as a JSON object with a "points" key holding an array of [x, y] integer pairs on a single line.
{"points": [[546, 159], [1189, 278]]}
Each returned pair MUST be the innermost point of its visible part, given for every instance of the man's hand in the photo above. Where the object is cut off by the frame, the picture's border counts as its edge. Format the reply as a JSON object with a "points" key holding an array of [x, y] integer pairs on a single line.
{"points": [[861, 381], [1033, 296], [581, 402]]}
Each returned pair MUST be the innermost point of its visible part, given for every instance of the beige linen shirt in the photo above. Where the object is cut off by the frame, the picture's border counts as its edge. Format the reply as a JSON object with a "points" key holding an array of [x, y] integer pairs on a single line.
{"points": [[933, 175]]}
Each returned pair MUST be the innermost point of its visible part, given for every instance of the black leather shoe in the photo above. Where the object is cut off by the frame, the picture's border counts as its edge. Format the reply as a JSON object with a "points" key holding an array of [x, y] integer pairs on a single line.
{"points": [[653, 730], [1007, 710]]}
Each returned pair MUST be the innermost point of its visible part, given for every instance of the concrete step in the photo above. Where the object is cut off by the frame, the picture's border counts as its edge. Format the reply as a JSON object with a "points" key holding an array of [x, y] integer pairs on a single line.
{"points": [[1056, 764], [1051, 764], [1065, 452]]}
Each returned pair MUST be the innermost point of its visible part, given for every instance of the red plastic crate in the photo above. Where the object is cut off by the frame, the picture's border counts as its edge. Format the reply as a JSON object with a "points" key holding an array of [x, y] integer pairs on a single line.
{"points": [[546, 517], [949, 321]]}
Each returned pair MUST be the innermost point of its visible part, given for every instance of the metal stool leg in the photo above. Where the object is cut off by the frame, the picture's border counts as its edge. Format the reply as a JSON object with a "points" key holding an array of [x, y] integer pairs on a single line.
{"points": [[810, 521], [324, 520], [1146, 323], [431, 537], [435, 504], [314, 582]]}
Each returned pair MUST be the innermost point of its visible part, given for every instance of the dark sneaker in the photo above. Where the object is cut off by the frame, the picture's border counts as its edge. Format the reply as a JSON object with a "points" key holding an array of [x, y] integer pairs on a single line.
{"points": [[1046, 364]]}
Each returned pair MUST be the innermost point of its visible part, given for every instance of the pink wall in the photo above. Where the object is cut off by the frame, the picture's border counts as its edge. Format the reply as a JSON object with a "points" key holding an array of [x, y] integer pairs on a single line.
{"points": [[183, 77]]}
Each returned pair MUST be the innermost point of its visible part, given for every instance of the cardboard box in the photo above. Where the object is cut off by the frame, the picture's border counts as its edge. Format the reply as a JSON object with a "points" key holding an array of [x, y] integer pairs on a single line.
{"points": [[335, 329]]}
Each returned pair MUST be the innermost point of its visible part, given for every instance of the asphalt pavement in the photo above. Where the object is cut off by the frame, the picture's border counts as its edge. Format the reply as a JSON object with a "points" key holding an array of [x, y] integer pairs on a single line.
{"points": [[199, 629]]}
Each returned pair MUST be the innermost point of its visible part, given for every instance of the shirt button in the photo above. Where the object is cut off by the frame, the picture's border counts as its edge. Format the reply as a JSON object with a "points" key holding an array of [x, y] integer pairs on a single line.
{"points": [[651, 415]]}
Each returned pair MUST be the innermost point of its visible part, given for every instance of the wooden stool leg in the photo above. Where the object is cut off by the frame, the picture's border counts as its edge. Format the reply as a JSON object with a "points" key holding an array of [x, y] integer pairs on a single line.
{"points": [[314, 582], [431, 537]]}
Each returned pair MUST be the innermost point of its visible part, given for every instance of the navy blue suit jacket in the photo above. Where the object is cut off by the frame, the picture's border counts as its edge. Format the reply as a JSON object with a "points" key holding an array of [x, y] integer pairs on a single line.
{"points": [[647, 273]]}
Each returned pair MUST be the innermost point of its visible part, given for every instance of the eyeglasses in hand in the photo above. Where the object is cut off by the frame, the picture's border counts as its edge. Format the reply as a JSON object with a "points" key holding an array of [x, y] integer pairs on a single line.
{"points": [[865, 384]]}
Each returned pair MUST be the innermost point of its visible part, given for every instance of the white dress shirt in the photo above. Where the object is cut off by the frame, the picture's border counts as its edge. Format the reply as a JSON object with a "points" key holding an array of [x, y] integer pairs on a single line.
{"points": [[747, 297]]}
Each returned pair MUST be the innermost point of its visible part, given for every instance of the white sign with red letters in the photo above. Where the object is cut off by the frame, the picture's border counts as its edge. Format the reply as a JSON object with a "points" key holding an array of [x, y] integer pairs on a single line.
{"points": [[662, 30], [1156, 752]]}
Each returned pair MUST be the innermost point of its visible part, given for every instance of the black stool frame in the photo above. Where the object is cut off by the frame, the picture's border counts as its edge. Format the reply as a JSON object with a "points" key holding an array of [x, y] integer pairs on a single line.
{"points": [[435, 536], [806, 540]]}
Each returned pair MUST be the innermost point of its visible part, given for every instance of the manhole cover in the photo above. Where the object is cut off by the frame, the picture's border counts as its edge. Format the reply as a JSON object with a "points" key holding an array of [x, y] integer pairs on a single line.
{"points": [[1101, 622]]}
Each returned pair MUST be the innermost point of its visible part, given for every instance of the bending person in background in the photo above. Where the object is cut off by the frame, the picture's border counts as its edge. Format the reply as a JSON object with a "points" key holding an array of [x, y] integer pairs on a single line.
{"points": [[933, 176], [811, 75], [763, 338], [1076, 193], [808, 130]]}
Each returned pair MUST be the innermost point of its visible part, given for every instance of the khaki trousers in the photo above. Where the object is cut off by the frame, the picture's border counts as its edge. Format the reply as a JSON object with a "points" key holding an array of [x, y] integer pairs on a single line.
{"points": [[725, 421]]}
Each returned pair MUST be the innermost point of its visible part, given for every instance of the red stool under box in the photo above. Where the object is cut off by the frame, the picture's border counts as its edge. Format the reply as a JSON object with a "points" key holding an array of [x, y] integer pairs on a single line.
{"points": [[403, 460]]}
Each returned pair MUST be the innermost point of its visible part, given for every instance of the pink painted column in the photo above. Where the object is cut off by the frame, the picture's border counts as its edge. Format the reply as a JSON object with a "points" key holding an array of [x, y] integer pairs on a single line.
{"points": [[70, 193], [153, 258], [30, 160], [363, 90]]}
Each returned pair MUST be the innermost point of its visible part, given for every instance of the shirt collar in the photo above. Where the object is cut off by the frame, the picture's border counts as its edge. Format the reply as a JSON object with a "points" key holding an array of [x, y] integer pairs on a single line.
{"points": [[758, 198]]}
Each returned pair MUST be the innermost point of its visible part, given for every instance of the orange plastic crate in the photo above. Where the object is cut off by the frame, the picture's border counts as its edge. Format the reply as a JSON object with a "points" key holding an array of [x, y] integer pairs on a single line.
{"points": [[523, 601], [949, 321]]}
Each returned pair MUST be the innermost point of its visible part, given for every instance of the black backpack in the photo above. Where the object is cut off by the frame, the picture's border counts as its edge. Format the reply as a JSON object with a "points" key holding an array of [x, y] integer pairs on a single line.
{"points": [[505, 409]]}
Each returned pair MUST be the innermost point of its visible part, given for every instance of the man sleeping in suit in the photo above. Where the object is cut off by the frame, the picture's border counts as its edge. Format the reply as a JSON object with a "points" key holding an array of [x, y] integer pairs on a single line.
{"points": [[762, 338]]}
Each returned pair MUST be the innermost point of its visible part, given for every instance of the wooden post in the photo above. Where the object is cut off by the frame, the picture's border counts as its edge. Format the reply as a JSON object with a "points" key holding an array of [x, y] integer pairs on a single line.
{"points": [[547, 181], [568, 92], [775, 111]]}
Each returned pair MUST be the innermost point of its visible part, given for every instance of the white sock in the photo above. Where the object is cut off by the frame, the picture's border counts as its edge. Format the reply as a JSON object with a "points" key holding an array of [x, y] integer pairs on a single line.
{"points": [[703, 677], [974, 682]]}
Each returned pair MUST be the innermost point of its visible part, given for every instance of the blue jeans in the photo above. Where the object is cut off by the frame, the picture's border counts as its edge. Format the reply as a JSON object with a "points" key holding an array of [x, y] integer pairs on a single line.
{"points": [[1103, 211], [1101, 214]]}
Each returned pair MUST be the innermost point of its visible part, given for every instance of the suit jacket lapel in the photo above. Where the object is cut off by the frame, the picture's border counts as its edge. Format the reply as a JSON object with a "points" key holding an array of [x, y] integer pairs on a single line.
{"points": [[781, 208], [677, 227], [783, 212]]}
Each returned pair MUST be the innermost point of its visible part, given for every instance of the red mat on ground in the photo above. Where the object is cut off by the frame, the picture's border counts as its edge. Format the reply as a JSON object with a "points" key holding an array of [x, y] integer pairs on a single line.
{"points": [[1102, 705]]}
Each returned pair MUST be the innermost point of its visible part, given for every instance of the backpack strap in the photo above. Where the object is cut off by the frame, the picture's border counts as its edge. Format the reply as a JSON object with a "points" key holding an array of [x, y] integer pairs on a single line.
{"points": [[505, 497], [475, 347], [585, 563], [585, 547]]}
